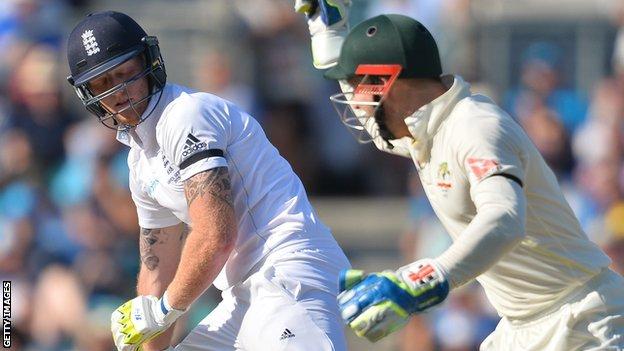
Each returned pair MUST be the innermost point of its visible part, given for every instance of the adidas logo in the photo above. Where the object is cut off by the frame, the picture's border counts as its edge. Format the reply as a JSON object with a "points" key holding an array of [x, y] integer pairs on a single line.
{"points": [[192, 145], [287, 334]]}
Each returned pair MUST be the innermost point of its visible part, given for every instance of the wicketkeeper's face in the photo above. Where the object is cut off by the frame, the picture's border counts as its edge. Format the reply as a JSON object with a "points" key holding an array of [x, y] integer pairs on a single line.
{"points": [[367, 109], [357, 108], [368, 106], [131, 87]]}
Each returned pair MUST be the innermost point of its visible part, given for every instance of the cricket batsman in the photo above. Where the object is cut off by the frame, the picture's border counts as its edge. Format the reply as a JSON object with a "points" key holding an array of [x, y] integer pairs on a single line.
{"points": [[513, 231], [216, 204]]}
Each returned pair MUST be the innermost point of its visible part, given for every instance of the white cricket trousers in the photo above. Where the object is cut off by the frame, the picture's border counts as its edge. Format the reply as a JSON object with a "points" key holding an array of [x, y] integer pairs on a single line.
{"points": [[591, 319], [288, 303]]}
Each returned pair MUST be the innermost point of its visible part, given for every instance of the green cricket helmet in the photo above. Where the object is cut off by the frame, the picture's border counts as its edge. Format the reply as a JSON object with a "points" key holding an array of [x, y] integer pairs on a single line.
{"points": [[374, 55]]}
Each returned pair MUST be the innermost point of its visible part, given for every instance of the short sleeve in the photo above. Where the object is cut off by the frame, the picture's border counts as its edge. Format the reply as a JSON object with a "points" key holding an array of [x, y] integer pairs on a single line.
{"points": [[195, 134], [151, 214], [491, 145]]}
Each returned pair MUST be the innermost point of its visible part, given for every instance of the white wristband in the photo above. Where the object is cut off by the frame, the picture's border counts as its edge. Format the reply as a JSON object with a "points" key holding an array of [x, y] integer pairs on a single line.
{"points": [[165, 313]]}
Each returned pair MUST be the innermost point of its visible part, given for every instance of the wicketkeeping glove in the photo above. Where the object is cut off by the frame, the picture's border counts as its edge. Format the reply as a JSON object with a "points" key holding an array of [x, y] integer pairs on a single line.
{"points": [[378, 304], [140, 320], [328, 24]]}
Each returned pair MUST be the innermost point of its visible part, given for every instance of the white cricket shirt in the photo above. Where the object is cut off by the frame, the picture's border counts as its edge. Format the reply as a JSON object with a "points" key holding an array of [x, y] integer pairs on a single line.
{"points": [[473, 147], [189, 132]]}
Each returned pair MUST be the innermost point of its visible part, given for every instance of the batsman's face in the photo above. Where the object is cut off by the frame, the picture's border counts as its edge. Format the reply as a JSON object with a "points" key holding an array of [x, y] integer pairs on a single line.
{"points": [[123, 101]]}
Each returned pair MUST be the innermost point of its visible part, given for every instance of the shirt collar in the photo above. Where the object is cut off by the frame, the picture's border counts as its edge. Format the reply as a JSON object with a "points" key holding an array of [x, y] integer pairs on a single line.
{"points": [[425, 122], [438, 109]]}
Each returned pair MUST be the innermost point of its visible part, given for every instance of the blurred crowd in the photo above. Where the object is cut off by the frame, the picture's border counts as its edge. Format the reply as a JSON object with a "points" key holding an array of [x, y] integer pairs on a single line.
{"points": [[68, 228]]}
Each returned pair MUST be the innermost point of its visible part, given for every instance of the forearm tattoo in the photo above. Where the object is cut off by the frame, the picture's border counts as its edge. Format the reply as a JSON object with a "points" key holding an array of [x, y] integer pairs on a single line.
{"points": [[148, 238], [185, 232], [215, 182]]}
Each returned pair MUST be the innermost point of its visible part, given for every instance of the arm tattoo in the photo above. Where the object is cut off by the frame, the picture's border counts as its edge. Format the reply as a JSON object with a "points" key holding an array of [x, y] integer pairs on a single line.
{"points": [[149, 237], [184, 233], [215, 182]]}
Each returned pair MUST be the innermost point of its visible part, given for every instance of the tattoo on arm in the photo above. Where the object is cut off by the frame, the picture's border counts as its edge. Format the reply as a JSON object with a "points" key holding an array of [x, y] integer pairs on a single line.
{"points": [[149, 237], [185, 233], [215, 182]]}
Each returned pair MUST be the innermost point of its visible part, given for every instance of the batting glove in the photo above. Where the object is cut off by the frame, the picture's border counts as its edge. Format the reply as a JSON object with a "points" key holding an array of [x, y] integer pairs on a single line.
{"points": [[377, 304], [328, 24], [141, 319]]}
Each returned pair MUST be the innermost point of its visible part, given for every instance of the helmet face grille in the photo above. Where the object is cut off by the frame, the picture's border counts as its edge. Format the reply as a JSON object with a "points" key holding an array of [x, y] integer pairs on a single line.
{"points": [[354, 121], [357, 116], [94, 105]]}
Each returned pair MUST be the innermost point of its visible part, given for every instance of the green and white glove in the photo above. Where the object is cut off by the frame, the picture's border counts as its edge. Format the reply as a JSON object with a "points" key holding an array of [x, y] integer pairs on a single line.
{"points": [[328, 24], [378, 304], [140, 320]]}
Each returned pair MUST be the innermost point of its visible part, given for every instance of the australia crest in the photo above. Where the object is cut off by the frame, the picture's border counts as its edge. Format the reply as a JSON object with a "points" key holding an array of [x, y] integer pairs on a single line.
{"points": [[444, 177]]}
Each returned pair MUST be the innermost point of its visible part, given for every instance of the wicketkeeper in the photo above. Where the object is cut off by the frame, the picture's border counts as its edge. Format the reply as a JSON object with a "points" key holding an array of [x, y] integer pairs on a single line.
{"points": [[513, 230]]}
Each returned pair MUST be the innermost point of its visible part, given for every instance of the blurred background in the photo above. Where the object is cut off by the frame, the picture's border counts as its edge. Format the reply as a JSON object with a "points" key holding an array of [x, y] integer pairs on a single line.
{"points": [[68, 228]]}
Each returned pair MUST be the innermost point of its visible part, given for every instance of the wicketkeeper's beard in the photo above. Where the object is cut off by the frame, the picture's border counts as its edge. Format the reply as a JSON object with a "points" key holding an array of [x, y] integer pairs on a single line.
{"points": [[380, 119]]}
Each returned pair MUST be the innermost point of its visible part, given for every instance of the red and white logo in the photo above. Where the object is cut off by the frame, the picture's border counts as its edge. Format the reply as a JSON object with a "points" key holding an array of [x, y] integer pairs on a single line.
{"points": [[482, 167], [424, 272]]}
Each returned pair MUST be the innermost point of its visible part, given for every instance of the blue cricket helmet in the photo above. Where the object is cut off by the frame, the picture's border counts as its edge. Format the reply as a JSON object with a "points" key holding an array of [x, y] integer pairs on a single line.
{"points": [[103, 41]]}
